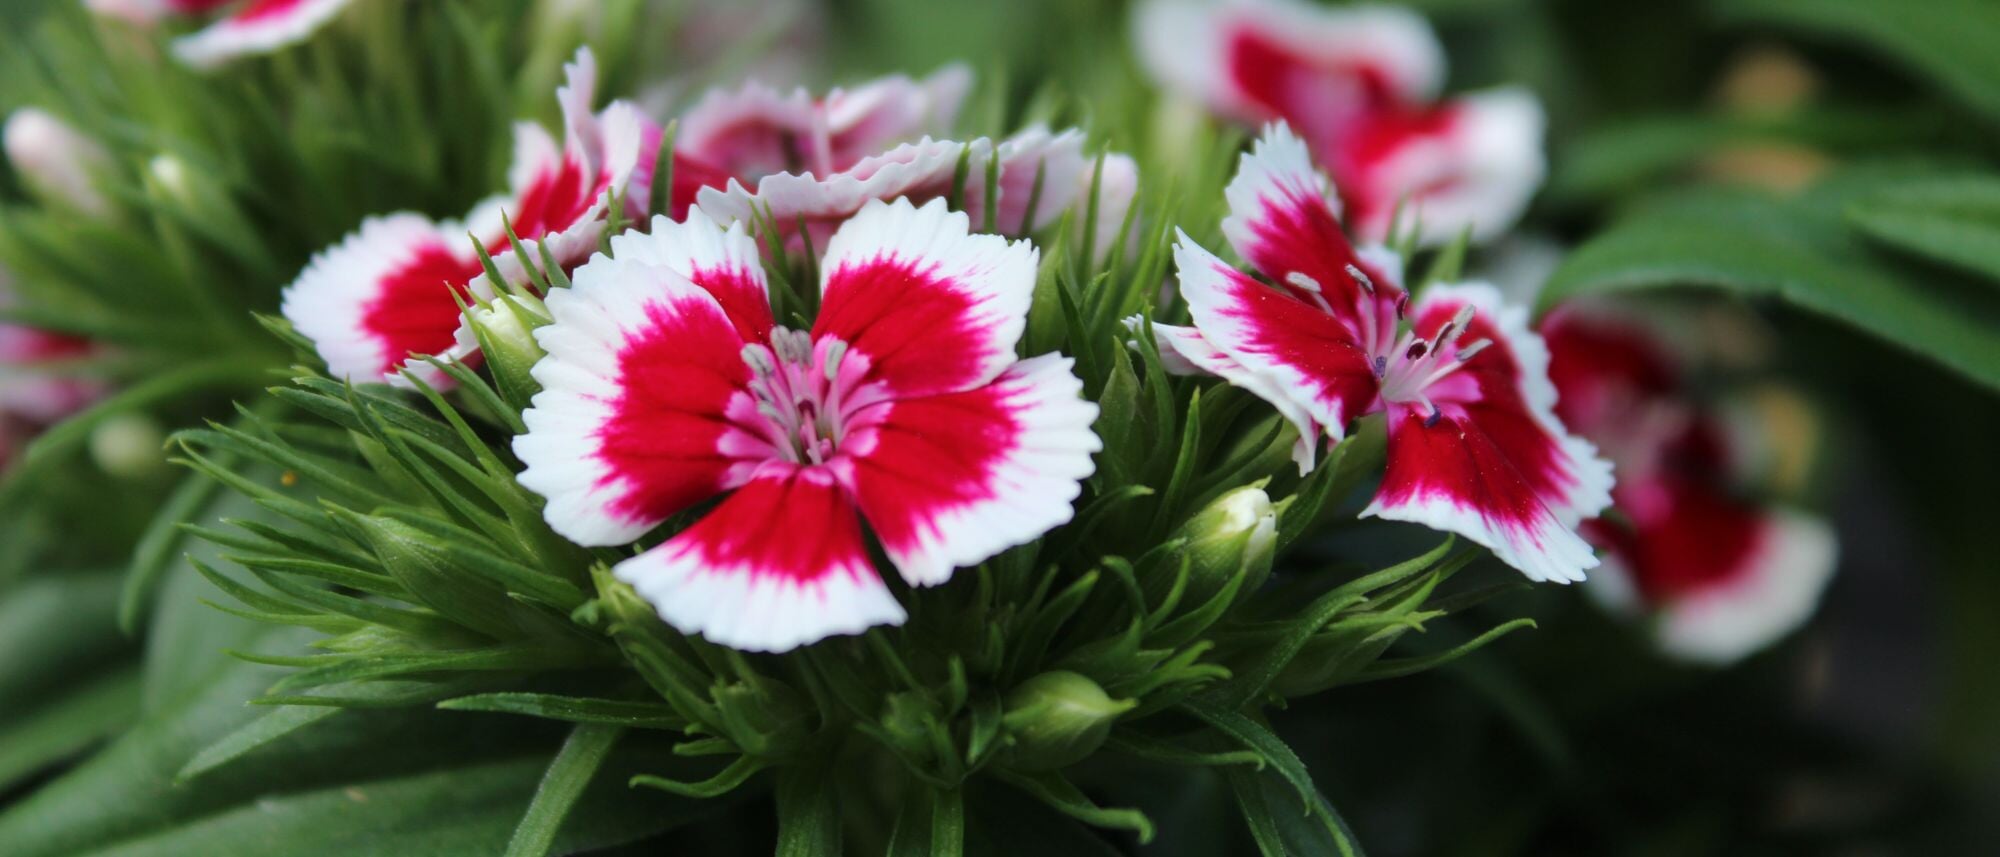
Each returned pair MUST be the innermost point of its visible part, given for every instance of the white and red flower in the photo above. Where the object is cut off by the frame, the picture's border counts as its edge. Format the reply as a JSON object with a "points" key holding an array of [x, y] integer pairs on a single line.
{"points": [[243, 27], [1721, 575], [667, 383], [1474, 445], [1360, 84], [392, 289]]}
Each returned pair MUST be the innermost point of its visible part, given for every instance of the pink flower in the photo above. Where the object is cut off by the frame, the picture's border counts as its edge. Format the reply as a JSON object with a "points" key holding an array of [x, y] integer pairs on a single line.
{"points": [[927, 170], [390, 290], [59, 163], [1474, 446], [1721, 575], [243, 28], [1361, 85], [32, 396], [755, 131], [667, 383]]}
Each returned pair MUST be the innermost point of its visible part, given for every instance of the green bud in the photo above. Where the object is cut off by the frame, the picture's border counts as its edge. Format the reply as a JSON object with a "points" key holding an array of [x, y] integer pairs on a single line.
{"points": [[1059, 718], [411, 556], [128, 446], [506, 331], [1233, 537]]}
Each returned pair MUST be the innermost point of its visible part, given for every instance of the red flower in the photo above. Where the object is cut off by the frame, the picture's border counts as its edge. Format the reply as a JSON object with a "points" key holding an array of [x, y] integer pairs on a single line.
{"points": [[1360, 84], [668, 382], [1474, 446], [1722, 574]]}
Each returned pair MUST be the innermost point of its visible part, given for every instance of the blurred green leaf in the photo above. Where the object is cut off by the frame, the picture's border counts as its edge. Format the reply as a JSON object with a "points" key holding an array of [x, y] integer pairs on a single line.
{"points": [[67, 722], [1953, 220], [1796, 250], [1950, 41]]}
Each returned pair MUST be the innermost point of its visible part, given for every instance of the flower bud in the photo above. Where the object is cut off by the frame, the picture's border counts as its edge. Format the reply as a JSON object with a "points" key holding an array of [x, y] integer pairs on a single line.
{"points": [[506, 331], [1233, 537], [56, 162], [128, 446], [1059, 718], [415, 560]]}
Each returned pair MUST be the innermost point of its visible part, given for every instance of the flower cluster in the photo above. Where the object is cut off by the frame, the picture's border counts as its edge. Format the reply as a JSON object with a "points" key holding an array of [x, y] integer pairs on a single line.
{"points": [[1360, 86]]}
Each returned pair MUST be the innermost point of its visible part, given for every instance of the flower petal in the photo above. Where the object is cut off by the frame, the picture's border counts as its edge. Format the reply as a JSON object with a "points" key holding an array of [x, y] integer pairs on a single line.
{"points": [[382, 294], [1492, 462], [725, 263], [749, 132], [1283, 222], [919, 171], [1471, 163], [1768, 583], [260, 26], [1263, 59], [1064, 177], [950, 480], [1183, 351], [891, 110], [641, 389], [1307, 358], [728, 580], [930, 307]]}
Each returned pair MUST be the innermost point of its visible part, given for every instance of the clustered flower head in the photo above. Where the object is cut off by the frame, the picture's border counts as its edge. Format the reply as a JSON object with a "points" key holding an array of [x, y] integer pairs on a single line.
{"points": [[899, 414]]}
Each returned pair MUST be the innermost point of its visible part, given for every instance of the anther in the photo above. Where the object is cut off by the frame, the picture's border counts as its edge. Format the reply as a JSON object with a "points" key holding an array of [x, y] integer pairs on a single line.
{"points": [[1403, 306], [759, 360], [1299, 278], [1417, 350], [1361, 279], [835, 351], [1467, 352], [1436, 415], [1381, 366]]}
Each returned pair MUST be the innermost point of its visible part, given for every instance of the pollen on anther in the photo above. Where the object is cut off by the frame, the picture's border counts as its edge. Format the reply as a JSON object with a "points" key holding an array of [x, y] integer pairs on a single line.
{"points": [[1299, 278], [1361, 278]]}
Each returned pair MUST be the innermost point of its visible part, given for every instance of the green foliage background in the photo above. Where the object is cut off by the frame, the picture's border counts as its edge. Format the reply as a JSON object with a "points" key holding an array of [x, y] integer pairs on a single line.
{"points": [[123, 723]]}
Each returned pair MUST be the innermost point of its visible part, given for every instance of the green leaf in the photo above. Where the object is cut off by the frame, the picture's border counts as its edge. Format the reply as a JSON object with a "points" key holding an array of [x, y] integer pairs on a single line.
{"points": [[1060, 795], [67, 722], [1949, 41], [1794, 250], [1278, 828], [54, 627], [575, 709], [1952, 220], [1285, 768], [562, 784], [808, 812]]}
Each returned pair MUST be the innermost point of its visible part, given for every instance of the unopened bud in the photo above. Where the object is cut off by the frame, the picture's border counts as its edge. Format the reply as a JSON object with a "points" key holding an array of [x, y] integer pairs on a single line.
{"points": [[414, 559], [506, 331], [1233, 537], [128, 446], [57, 162], [1059, 718]]}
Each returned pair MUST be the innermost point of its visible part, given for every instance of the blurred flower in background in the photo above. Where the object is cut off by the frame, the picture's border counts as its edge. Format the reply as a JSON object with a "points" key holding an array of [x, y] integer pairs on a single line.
{"points": [[1690, 549], [1361, 85], [234, 28]]}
